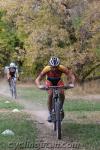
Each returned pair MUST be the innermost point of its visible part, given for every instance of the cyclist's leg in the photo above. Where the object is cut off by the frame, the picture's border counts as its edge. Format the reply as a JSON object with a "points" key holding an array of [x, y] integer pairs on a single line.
{"points": [[9, 82], [48, 83], [49, 102], [62, 95], [15, 81], [62, 98]]}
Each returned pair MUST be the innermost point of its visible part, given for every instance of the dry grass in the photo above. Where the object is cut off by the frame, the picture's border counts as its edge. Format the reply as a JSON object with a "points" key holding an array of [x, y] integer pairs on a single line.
{"points": [[83, 117], [92, 87]]}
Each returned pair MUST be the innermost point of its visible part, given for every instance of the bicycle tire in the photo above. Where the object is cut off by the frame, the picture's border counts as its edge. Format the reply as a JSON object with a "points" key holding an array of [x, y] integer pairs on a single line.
{"points": [[14, 92], [13, 89], [55, 126], [53, 114], [58, 120]]}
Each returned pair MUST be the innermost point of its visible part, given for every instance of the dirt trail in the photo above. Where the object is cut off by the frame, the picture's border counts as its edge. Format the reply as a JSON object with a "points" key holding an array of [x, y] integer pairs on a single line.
{"points": [[46, 139]]}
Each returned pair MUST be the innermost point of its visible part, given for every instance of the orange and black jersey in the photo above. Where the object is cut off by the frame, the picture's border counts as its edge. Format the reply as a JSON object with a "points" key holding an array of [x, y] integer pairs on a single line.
{"points": [[54, 74]]}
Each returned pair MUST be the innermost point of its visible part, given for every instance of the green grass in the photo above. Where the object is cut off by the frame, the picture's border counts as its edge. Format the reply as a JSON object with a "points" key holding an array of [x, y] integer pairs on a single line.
{"points": [[40, 96], [24, 129], [11, 105], [81, 105], [80, 123], [20, 123], [87, 135], [33, 94]]}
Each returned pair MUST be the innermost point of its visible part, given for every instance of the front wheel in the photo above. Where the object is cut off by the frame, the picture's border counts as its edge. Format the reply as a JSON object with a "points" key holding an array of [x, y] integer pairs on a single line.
{"points": [[54, 120], [15, 94], [58, 120], [13, 89]]}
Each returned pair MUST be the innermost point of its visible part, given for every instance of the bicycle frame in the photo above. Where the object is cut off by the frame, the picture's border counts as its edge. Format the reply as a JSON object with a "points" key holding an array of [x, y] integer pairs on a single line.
{"points": [[56, 107], [55, 98]]}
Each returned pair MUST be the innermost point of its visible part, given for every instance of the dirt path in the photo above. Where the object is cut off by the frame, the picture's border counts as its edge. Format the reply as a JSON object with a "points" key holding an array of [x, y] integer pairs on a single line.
{"points": [[46, 139]]}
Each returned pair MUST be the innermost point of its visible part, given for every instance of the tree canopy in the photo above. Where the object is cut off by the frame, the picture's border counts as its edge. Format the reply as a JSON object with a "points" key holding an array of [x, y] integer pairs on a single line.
{"points": [[33, 30]]}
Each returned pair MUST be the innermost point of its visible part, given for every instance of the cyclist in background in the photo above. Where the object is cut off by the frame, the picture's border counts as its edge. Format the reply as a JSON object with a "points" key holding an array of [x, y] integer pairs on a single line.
{"points": [[53, 73], [12, 72]]}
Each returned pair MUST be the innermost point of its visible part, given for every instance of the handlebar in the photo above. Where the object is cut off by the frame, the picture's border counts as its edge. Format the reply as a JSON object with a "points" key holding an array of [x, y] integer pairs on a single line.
{"points": [[56, 87]]}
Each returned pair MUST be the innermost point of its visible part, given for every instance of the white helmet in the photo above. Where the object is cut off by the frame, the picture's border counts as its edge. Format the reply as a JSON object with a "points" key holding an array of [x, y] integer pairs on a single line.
{"points": [[12, 65], [54, 61]]}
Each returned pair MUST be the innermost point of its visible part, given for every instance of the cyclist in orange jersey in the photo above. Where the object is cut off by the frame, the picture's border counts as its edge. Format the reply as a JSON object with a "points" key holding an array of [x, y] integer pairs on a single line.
{"points": [[53, 73]]}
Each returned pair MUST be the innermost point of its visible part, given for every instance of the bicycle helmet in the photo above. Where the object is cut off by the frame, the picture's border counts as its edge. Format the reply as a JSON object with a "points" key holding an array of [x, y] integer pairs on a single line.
{"points": [[54, 61], [12, 65]]}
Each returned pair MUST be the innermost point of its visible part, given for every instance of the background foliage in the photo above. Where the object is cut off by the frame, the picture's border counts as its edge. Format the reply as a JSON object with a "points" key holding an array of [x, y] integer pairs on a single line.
{"points": [[33, 30]]}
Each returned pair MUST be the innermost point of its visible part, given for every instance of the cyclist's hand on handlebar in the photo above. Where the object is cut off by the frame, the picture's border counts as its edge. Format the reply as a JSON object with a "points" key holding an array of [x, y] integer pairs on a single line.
{"points": [[40, 86], [71, 85], [43, 87]]}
